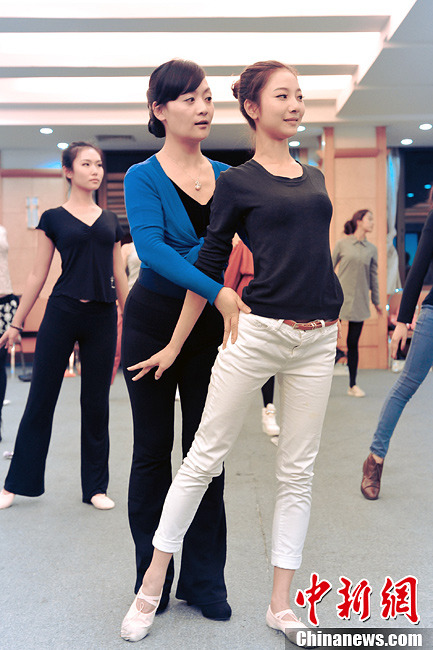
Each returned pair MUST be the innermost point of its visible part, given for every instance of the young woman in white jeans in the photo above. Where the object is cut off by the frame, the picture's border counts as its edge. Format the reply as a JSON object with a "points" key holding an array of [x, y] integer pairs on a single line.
{"points": [[291, 329]]}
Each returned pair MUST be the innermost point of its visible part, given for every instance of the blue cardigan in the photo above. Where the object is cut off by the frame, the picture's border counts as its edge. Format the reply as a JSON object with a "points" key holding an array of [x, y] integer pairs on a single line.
{"points": [[163, 234]]}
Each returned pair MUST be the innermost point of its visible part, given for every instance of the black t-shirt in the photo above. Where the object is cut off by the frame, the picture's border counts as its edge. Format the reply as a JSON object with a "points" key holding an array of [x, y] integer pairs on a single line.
{"points": [[86, 252], [287, 224]]}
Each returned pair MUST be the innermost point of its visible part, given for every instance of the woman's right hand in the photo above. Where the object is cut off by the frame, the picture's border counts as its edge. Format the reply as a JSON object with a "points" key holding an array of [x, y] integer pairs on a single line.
{"points": [[161, 360], [399, 337], [9, 338], [229, 304]]}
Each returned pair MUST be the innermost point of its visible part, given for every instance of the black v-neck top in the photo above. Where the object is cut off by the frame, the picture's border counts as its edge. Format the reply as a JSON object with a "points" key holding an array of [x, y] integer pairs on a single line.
{"points": [[199, 214], [86, 252]]}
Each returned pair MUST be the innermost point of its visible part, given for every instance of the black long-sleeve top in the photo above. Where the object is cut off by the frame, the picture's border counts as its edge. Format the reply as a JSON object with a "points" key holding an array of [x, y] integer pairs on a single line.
{"points": [[287, 224], [417, 273]]}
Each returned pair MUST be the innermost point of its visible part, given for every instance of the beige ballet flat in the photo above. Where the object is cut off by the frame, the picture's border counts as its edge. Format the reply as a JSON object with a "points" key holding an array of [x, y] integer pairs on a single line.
{"points": [[6, 499], [136, 624], [102, 502], [289, 627]]}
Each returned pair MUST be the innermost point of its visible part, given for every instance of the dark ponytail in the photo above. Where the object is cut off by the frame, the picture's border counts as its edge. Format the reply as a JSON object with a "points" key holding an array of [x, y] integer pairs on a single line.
{"points": [[351, 225], [70, 153]]}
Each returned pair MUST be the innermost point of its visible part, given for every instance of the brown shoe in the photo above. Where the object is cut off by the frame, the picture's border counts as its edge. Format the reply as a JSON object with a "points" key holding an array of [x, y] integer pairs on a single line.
{"points": [[372, 472]]}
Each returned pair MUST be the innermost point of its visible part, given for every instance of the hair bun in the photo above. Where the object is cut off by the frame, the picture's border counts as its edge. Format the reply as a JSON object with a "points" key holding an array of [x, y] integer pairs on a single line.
{"points": [[236, 88], [156, 127]]}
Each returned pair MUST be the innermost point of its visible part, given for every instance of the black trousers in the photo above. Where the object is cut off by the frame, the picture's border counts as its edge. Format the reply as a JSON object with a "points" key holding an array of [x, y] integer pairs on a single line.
{"points": [[3, 380], [148, 323], [268, 391], [66, 321], [353, 335]]}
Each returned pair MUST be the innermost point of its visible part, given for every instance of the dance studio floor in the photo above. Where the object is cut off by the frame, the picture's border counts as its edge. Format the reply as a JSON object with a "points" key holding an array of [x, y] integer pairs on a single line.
{"points": [[67, 570]]}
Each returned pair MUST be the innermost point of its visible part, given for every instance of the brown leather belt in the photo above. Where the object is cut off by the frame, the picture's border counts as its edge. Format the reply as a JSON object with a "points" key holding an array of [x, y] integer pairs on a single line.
{"points": [[312, 325]]}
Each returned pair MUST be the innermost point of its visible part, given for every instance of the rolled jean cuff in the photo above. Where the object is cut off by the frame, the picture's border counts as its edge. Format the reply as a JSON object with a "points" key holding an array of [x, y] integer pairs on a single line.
{"points": [[379, 452], [167, 546], [281, 562]]}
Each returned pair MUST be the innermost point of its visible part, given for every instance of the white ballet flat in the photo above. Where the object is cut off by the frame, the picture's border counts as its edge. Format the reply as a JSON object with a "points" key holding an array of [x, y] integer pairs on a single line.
{"points": [[136, 624]]}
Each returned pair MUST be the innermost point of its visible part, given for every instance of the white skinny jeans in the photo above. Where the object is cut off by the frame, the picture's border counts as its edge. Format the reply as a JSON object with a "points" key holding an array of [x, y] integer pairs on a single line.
{"points": [[304, 361]]}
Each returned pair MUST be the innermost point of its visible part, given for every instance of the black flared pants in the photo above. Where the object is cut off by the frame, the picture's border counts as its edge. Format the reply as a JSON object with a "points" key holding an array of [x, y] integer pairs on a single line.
{"points": [[148, 324], [66, 321]]}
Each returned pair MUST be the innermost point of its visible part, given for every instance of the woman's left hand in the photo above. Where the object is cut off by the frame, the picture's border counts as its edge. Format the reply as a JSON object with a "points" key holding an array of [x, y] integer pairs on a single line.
{"points": [[160, 360], [229, 304], [399, 338], [379, 310]]}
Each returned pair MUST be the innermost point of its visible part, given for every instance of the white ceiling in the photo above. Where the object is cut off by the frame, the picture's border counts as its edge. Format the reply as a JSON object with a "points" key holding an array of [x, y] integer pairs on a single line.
{"points": [[82, 67]]}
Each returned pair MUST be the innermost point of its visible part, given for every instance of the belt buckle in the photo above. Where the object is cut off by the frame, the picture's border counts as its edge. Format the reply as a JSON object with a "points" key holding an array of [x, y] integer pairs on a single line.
{"points": [[315, 324]]}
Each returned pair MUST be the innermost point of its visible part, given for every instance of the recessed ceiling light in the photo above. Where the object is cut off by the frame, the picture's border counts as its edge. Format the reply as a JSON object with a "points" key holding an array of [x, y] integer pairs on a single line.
{"points": [[301, 128], [294, 143], [46, 130], [406, 141], [410, 195], [427, 187], [426, 126], [62, 145]]}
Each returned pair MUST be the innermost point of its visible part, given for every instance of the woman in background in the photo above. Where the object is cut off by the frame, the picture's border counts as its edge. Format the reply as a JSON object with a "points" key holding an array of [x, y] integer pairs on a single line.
{"points": [[418, 362], [82, 307], [8, 307], [239, 273], [131, 263], [357, 273]]}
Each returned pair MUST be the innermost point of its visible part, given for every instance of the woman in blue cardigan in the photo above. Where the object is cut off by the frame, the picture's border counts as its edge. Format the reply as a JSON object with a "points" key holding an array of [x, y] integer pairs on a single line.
{"points": [[168, 200]]}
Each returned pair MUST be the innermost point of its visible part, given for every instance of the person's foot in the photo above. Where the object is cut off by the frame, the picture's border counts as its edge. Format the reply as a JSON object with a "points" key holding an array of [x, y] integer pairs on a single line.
{"points": [[6, 499], [355, 391], [339, 355], [102, 502], [371, 475], [269, 423], [138, 621], [397, 365], [216, 611], [287, 622]]}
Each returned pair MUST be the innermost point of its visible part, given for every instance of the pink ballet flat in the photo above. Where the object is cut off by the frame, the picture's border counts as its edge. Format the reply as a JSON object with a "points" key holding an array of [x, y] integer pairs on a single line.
{"points": [[6, 500], [102, 502], [136, 624], [289, 627]]}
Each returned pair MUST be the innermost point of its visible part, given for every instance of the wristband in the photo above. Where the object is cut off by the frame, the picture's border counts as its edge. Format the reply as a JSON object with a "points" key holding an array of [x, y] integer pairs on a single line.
{"points": [[16, 327]]}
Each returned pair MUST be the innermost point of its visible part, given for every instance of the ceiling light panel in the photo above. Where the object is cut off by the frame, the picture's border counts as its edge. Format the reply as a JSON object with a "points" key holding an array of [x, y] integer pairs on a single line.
{"points": [[211, 49], [173, 8], [100, 90]]}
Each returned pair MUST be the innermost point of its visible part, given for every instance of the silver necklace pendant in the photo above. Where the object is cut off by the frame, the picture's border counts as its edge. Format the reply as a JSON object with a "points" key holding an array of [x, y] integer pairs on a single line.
{"points": [[197, 185]]}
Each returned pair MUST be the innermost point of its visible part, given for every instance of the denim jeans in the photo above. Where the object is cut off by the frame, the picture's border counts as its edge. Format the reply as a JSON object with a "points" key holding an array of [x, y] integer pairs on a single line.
{"points": [[304, 362], [418, 363]]}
